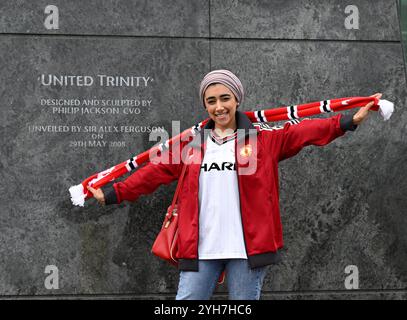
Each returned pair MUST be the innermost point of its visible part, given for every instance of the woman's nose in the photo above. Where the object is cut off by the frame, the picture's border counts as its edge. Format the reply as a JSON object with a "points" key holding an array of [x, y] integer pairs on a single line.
{"points": [[219, 105]]}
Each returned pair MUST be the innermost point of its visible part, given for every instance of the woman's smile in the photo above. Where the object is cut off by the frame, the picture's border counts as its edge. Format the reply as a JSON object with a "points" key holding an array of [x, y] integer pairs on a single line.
{"points": [[222, 116]]}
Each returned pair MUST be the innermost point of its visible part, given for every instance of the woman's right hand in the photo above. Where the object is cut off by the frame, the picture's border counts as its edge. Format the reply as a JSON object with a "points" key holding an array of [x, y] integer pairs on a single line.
{"points": [[98, 195]]}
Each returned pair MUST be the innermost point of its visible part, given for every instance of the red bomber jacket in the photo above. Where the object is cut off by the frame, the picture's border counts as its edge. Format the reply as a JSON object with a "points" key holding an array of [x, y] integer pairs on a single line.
{"points": [[258, 149]]}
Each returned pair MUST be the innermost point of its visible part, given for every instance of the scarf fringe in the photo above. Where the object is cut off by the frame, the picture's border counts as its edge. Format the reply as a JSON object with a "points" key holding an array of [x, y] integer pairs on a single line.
{"points": [[77, 195]]}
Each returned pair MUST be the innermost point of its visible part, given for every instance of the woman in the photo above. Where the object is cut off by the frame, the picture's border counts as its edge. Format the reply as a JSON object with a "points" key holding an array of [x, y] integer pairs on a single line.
{"points": [[229, 215]]}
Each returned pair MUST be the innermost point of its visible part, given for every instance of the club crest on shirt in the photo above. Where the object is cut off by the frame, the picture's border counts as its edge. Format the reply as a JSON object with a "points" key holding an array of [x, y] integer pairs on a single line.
{"points": [[246, 151]]}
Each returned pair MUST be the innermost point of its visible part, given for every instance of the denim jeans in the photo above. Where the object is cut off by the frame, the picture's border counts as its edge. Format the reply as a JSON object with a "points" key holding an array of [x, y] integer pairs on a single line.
{"points": [[243, 282]]}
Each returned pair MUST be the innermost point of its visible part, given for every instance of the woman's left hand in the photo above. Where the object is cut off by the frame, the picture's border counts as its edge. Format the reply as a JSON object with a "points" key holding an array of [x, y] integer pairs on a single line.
{"points": [[364, 111]]}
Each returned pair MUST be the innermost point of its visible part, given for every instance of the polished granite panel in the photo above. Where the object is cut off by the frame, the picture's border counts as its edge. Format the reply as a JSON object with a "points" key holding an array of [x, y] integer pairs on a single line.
{"points": [[342, 204], [305, 19]]}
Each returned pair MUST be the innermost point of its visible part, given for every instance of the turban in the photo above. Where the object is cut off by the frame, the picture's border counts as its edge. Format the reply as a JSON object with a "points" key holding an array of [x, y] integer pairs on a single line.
{"points": [[224, 77]]}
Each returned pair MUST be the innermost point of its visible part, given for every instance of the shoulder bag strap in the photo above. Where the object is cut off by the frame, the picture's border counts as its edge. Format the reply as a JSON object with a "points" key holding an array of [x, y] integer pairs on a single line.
{"points": [[174, 200]]}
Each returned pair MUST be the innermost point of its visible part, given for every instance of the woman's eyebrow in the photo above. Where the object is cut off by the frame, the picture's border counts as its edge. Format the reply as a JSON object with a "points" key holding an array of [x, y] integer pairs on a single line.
{"points": [[221, 96]]}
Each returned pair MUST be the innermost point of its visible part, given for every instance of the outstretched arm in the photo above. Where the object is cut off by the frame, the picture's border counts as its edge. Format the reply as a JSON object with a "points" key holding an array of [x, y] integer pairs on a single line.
{"points": [[144, 180]]}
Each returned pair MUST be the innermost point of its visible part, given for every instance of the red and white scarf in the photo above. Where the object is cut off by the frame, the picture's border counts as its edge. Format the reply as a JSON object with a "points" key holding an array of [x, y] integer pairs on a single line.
{"points": [[79, 193]]}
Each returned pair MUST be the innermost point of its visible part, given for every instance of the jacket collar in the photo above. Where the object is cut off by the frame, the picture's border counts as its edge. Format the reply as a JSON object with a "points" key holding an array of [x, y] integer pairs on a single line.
{"points": [[242, 123]]}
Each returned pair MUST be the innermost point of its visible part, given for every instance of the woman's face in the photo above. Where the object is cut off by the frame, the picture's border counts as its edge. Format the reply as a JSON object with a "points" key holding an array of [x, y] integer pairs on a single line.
{"points": [[221, 104]]}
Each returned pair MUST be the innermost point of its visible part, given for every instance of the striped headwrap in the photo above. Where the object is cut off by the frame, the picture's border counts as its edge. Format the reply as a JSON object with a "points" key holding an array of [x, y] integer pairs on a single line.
{"points": [[224, 77]]}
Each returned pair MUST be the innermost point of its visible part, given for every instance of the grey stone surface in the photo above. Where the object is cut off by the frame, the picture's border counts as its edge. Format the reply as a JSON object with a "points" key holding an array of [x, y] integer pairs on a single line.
{"points": [[342, 204], [97, 250], [306, 19], [176, 18], [266, 295]]}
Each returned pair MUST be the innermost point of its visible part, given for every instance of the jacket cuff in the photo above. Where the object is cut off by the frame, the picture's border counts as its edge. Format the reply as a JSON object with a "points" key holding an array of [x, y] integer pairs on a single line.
{"points": [[346, 123], [110, 194]]}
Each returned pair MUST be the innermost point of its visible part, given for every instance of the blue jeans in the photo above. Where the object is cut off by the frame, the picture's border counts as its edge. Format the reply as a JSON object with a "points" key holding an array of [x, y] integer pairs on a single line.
{"points": [[243, 282]]}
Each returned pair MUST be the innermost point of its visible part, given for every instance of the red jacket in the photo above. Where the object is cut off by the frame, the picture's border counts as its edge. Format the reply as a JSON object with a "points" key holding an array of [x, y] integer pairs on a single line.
{"points": [[259, 191]]}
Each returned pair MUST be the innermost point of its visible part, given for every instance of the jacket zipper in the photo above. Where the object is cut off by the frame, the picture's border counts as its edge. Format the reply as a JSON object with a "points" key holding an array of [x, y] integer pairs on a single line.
{"points": [[197, 198], [240, 204]]}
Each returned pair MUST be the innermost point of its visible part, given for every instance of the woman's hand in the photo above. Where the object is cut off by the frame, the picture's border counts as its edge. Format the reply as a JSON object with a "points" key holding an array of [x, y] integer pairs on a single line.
{"points": [[98, 194], [364, 111]]}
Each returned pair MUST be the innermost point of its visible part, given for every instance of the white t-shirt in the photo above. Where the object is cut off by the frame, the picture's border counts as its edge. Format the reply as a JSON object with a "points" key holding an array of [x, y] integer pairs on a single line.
{"points": [[220, 223]]}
